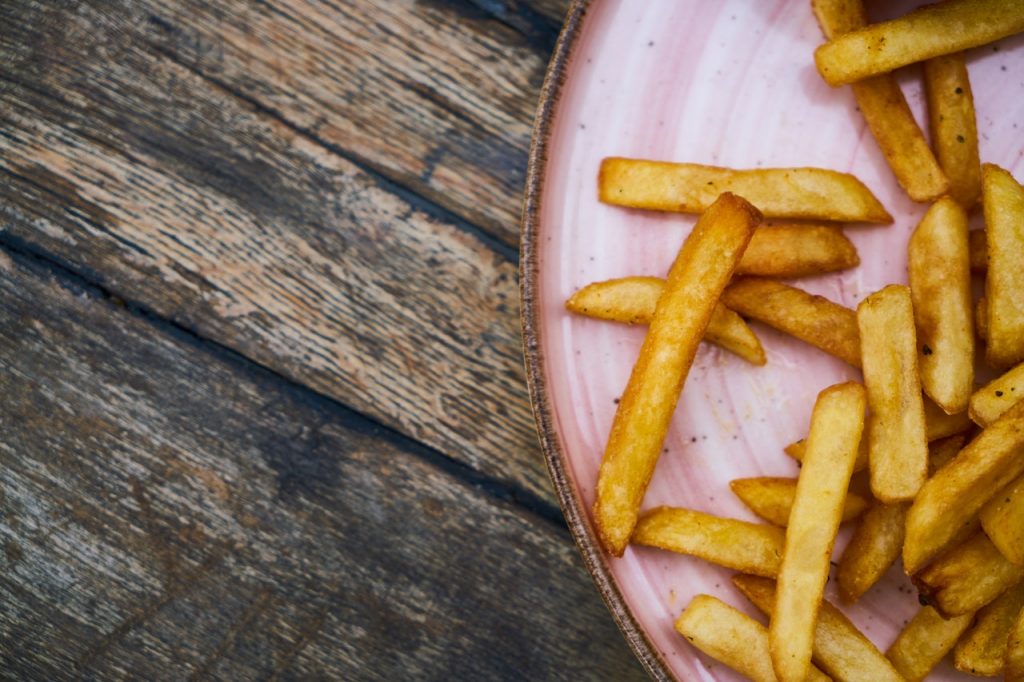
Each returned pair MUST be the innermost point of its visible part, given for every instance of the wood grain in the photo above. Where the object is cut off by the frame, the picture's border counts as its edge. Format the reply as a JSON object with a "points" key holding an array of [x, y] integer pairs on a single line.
{"points": [[180, 197], [172, 511]]}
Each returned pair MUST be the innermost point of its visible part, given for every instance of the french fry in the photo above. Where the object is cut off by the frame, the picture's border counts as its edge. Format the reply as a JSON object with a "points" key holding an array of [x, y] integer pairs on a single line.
{"points": [[997, 396], [632, 300], [836, 426], [1002, 518], [955, 495], [978, 250], [771, 498], [878, 540], [938, 424], [785, 250], [1003, 202], [931, 31], [898, 447], [940, 287], [953, 126], [840, 649], [982, 650], [967, 578], [701, 270], [886, 111], [804, 193], [731, 637], [924, 642], [874, 547], [1014, 668], [754, 548], [812, 319]]}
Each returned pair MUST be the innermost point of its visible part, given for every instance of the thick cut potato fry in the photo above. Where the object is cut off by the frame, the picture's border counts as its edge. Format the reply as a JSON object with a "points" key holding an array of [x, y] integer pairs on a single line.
{"points": [[953, 125], [731, 637], [701, 270], [1003, 521], [931, 31], [632, 300], [967, 578], [996, 397], [1014, 668], [924, 642], [897, 445], [837, 423], [886, 111], [982, 650], [840, 649], [940, 286], [1003, 201], [938, 424], [942, 452], [955, 495], [874, 547], [805, 193], [978, 249], [812, 319], [749, 547], [771, 498], [797, 251]]}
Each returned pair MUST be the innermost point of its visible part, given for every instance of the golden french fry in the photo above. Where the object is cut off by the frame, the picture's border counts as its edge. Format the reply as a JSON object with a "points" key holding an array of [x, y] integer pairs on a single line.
{"points": [[982, 650], [805, 193], [1014, 668], [940, 286], [771, 498], [840, 649], [955, 494], [953, 125], [812, 319], [967, 578], [874, 547], [749, 547], [938, 424], [978, 250], [886, 111], [997, 396], [836, 426], [898, 447], [924, 642], [1002, 518], [941, 452], [632, 300], [731, 637], [1003, 201], [928, 32], [784, 250], [701, 270]]}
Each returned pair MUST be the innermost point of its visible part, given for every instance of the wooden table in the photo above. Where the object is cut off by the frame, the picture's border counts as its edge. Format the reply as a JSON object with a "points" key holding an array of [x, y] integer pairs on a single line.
{"points": [[263, 411]]}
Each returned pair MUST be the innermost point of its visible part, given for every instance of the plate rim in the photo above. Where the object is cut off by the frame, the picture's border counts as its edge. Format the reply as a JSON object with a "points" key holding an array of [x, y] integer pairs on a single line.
{"points": [[572, 506]]}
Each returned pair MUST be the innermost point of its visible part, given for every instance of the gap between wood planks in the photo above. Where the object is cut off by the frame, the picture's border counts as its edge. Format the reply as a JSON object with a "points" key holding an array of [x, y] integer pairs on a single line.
{"points": [[358, 421]]}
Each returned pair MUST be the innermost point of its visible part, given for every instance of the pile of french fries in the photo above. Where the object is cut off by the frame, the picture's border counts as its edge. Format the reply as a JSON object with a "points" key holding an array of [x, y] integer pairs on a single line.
{"points": [[944, 459]]}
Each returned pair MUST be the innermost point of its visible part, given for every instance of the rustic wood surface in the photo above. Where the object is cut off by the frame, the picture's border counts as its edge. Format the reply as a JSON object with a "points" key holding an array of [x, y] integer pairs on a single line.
{"points": [[262, 396]]}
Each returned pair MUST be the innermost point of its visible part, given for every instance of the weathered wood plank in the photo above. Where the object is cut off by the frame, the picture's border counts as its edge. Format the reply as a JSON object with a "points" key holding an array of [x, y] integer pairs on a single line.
{"points": [[170, 511], [178, 196], [430, 96]]}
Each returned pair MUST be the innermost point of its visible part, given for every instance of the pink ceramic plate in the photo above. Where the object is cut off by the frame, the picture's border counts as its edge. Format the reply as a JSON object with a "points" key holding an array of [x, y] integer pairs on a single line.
{"points": [[729, 83]]}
